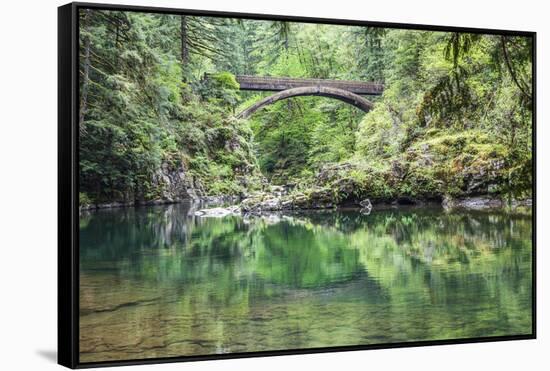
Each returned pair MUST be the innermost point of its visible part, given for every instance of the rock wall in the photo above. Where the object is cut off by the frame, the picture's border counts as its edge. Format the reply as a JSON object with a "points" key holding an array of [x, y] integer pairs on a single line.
{"points": [[176, 184]]}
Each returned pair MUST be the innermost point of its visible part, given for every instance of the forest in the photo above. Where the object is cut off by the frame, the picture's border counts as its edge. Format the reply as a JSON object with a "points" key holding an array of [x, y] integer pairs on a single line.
{"points": [[159, 99]]}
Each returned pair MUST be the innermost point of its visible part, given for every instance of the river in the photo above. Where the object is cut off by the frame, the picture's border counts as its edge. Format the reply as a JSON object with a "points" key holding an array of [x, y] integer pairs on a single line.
{"points": [[160, 282]]}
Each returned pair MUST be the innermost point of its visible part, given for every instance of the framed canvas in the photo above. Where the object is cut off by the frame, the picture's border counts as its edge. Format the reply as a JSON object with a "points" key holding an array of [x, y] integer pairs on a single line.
{"points": [[239, 185]]}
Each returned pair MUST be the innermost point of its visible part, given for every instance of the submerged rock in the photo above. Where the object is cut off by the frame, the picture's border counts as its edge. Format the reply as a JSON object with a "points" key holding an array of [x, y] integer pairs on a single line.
{"points": [[475, 203], [366, 207], [483, 203], [218, 212], [319, 198], [366, 204]]}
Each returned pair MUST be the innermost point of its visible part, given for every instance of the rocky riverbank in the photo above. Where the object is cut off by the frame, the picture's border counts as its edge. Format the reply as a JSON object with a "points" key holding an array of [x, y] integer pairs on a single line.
{"points": [[341, 185], [282, 198], [216, 200], [279, 199]]}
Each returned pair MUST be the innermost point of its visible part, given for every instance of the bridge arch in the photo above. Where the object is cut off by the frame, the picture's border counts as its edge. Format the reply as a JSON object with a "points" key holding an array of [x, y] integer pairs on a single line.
{"points": [[324, 91]]}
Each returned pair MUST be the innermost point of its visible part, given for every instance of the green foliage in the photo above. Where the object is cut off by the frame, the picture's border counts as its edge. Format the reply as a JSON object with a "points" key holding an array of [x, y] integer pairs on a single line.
{"points": [[225, 80], [84, 199], [156, 90], [449, 118], [377, 136], [219, 88], [139, 114]]}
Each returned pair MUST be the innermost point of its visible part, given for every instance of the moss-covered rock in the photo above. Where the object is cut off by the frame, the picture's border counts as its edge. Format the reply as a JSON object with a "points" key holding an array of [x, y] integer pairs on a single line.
{"points": [[437, 165]]}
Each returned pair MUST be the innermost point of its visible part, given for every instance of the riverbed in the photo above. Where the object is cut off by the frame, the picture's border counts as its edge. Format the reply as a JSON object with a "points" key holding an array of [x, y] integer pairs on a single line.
{"points": [[160, 281]]}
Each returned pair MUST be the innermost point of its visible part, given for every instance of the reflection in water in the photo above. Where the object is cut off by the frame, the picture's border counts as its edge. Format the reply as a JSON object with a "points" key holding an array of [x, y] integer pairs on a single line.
{"points": [[159, 282]]}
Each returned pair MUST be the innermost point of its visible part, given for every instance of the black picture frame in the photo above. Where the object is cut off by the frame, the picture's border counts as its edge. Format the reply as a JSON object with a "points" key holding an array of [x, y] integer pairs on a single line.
{"points": [[68, 184]]}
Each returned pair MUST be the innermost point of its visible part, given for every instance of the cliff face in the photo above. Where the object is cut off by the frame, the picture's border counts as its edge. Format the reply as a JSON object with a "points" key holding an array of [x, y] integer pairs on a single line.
{"points": [[176, 184], [214, 158]]}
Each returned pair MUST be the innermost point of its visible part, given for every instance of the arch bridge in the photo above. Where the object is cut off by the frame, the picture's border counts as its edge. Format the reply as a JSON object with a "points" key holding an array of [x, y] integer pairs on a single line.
{"points": [[285, 87]]}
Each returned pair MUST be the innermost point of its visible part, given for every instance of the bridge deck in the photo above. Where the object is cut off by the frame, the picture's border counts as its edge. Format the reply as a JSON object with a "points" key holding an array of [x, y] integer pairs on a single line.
{"points": [[283, 83]]}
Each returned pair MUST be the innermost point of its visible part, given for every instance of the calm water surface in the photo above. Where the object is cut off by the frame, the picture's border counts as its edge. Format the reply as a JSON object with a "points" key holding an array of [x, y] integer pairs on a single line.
{"points": [[159, 282]]}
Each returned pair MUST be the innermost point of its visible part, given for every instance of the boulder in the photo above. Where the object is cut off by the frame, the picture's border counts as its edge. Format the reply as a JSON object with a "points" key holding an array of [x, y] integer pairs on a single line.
{"points": [[365, 204], [474, 203], [218, 212], [320, 198], [175, 184], [271, 204], [277, 190], [253, 201], [483, 178]]}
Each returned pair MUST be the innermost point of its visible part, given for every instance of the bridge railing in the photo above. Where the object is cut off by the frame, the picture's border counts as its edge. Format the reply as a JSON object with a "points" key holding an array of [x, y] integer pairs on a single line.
{"points": [[268, 83]]}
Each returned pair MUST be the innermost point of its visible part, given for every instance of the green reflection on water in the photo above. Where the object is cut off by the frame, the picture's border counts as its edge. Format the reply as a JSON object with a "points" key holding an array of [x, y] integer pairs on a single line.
{"points": [[159, 282]]}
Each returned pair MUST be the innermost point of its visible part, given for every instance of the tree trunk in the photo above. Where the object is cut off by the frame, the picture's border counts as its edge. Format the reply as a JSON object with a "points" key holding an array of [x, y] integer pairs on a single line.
{"points": [[85, 78], [184, 48], [511, 70]]}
